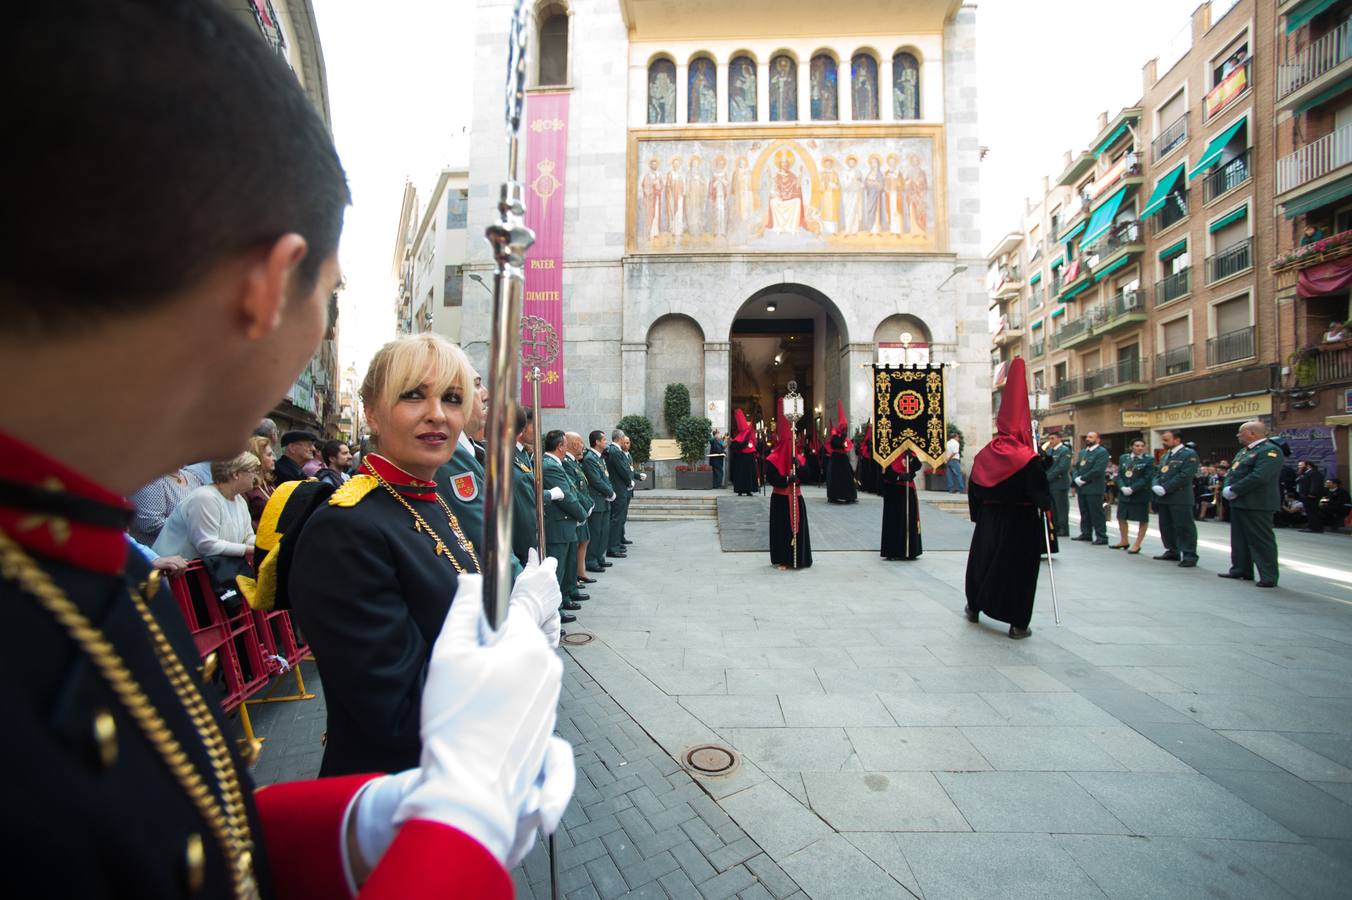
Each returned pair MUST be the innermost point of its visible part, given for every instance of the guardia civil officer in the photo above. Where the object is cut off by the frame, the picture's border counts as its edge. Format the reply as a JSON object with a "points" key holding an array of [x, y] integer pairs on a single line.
{"points": [[1172, 486], [563, 515], [1134, 471], [1058, 478], [1251, 488], [603, 494], [199, 273], [1091, 480], [620, 471]]}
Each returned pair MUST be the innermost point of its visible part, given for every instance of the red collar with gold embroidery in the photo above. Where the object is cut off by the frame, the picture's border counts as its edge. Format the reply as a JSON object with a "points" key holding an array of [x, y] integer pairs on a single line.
{"points": [[53, 511], [397, 478]]}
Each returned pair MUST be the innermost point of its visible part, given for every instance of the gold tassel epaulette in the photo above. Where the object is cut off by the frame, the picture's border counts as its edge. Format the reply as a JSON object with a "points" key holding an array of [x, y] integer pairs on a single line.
{"points": [[351, 493]]}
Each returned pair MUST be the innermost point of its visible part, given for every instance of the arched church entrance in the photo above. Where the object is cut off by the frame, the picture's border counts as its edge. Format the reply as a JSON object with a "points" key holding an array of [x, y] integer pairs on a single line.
{"points": [[783, 333]]}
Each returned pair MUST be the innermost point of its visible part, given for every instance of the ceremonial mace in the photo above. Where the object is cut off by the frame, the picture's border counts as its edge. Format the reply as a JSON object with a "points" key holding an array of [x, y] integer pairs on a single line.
{"points": [[536, 353], [906, 338], [793, 411], [1047, 539]]}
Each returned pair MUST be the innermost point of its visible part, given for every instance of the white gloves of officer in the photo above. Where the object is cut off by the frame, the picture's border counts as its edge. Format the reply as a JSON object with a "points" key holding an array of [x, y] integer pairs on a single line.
{"points": [[1228, 493], [555, 493], [642, 476], [490, 767], [537, 591], [1126, 492], [1080, 482], [1159, 490], [611, 497]]}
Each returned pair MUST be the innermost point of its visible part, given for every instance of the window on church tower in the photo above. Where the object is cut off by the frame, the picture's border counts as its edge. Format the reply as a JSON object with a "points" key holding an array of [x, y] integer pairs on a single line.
{"points": [[824, 91], [863, 87], [553, 46], [742, 89], [783, 89], [905, 86], [662, 92], [702, 91]]}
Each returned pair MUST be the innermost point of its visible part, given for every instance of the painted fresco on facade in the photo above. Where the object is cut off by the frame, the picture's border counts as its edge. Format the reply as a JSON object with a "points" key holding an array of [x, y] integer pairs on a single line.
{"points": [[786, 194], [742, 90], [864, 88], [783, 89], [905, 86], [824, 90], [662, 92], [702, 91]]}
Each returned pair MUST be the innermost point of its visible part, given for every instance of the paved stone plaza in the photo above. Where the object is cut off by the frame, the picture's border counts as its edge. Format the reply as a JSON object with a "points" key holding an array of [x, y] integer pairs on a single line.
{"points": [[1177, 736]]}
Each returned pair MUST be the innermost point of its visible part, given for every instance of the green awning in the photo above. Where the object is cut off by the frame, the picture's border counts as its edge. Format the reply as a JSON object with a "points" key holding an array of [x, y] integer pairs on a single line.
{"points": [[1071, 234], [1108, 141], [1037, 276], [1110, 269], [1058, 312], [1173, 250], [1302, 13], [1328, 93], [1038, 323], [1216, 148], [1162, 189], [1102, 219], [1076, 291], [1228, 220], [1314, 199], [1059, 262]]}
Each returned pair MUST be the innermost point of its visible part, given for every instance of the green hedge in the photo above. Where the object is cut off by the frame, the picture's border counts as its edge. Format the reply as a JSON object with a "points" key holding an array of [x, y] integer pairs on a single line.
{"points": [[692, 436], [640, 432]]}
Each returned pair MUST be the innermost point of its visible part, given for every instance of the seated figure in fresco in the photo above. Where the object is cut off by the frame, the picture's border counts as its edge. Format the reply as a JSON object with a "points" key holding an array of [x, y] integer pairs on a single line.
{"points": [[786, 198]]}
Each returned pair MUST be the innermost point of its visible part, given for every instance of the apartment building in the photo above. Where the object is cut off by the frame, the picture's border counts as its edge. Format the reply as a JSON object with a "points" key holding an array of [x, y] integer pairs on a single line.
{"points": [[429, 256], [1313, 222], [1143, 305]]}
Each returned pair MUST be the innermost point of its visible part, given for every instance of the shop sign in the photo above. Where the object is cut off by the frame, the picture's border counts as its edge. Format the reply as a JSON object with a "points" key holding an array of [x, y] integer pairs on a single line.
{"points": [[1135, 419], [1234, 410]]}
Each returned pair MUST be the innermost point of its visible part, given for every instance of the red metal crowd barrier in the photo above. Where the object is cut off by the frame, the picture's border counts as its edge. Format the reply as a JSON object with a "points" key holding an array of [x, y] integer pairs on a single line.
{"points": [[248, 647]]}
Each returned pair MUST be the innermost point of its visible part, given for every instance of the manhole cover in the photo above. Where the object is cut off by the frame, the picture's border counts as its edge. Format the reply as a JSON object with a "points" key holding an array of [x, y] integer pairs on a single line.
{"points": [[574, 638], [711, 759]]}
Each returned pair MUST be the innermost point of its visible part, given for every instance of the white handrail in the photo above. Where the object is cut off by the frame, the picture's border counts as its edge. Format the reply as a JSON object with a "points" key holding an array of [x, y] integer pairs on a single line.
{"points": [[1315, 159]]}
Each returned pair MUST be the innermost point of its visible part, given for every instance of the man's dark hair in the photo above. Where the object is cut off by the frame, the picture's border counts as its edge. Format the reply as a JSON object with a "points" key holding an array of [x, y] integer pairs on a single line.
{"points": [[553, 440], [1178, 435], [329, 450], [522, 417], [1337, 481], [159, 138], [595, 436]]}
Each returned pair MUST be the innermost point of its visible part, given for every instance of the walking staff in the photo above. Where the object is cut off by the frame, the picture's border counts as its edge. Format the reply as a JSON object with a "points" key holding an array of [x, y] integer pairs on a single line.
{"points": [[1047, 537], [793, 411]]}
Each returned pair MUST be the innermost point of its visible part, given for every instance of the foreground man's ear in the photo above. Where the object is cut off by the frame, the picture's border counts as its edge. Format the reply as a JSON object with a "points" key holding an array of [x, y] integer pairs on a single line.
{"points": [[267, 283]]}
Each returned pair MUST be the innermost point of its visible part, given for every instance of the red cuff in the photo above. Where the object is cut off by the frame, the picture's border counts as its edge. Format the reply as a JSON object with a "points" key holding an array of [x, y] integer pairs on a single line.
{"points": [[429, 859], [301, 822]]}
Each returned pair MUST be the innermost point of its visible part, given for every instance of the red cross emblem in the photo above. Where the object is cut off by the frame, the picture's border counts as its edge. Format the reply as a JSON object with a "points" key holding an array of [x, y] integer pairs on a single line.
{"points": [[909, 404]]}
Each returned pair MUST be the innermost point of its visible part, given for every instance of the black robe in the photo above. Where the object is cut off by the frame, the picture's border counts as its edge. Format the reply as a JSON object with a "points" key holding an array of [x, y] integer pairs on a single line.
{"points": [[1007, 545], [781, 529], [901, 537], [743, 468], [870, 476], [839, 475]]}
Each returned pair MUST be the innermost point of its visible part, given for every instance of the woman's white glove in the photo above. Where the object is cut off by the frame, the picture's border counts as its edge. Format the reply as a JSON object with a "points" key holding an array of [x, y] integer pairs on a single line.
{"points": [[1159, 490], [537, 592], [555, 494], [1228, 493], [1126, 492], [488, 713]]}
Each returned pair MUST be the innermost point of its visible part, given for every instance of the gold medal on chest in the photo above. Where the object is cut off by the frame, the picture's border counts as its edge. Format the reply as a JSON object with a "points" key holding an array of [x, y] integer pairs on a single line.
{"points": [[1164, 468]]}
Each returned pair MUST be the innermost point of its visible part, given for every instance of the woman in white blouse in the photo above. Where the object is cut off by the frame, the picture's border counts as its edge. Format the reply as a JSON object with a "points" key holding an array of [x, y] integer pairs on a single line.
{"points": [[213, 520]]}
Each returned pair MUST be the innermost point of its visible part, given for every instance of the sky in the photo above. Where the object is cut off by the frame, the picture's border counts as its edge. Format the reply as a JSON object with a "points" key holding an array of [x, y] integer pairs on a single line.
{"points": [[399, 92]]}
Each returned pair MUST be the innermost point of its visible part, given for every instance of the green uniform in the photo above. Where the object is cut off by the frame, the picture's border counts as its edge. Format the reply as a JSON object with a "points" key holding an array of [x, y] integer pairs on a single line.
{"points": [[602, 493], [620, 468], [562, 519], [1058, 479], [524, 526], [1174, 472], [1252, 483], [1134, 473], [1091, 480], [460, 483]]}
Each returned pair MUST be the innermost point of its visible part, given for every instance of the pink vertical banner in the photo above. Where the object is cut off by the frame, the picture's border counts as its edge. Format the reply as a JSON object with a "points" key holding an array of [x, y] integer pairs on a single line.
{"points": [[542, 323]]}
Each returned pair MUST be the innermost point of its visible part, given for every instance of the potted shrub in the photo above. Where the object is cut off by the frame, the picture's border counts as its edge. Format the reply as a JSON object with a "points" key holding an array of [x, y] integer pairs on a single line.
{"points": [[640, 432], [675, 406], [692, 437]]}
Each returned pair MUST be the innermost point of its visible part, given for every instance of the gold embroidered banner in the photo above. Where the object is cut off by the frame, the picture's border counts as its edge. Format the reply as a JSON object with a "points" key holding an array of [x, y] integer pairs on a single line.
{"points": [[908, 413]]}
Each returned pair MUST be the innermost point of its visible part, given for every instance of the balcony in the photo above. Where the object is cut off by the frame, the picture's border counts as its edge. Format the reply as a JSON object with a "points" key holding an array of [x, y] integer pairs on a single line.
{"points": [[1225, 178], [1078, 166], [1335, 246], [1175, 210], [1231, 88], [1231, 261], [1313, 70], [1230, 347], [1122, 238], [1121, 311], [1037, 298], [1037, 349], [1074, 333], [1063, 391], [1173, 362], [1172, 137], [1314, 161], [1009, 330], [1173, 287], [1124, 377]]}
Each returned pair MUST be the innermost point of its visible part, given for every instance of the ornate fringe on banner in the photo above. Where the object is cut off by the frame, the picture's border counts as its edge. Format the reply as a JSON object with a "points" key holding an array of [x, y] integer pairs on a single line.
{"points": [[908, 414]]}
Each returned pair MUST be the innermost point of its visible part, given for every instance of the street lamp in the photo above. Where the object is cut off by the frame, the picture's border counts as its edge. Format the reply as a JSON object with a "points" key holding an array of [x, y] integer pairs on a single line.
{"points": [[957, 270], [479, 279]]}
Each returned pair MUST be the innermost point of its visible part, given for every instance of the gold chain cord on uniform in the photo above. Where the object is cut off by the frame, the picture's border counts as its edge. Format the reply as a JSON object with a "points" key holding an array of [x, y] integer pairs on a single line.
{"points": [[228, 822], [441, 547]]}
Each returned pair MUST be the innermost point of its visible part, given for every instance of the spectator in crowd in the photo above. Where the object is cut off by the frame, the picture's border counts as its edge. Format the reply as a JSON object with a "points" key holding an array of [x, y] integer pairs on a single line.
{"points": [[153, 503], [1312, 234], [257, 496], [718, 449], [1205, 489], [337, 457], [214, 519], [1291, 512], [1337, 332], [298, 448], [1334, 506], [953, 469], [268, 429], [1222, 469], [1309, 488]]}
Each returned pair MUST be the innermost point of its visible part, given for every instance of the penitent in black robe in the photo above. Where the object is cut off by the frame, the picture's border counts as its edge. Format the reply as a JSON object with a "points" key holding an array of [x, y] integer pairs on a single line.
{"points": [[781, 530], [743, 468], [1007, 546], [901, 537], [839, 475]]}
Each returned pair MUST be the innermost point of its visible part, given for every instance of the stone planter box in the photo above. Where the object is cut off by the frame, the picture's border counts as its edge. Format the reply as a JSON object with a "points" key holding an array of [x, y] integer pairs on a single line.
{"points": [[647, 484], [693, 481]]}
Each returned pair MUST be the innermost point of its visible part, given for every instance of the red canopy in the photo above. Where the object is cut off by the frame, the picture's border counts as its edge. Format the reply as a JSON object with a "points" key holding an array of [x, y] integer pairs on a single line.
{"points": [[1325, 278], [1012, 447]]}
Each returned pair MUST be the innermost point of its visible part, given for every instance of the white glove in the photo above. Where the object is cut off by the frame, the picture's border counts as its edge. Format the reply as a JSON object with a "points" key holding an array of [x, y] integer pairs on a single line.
{"points": [[1228, 493], [611, 497], [555, 493], [373, 808], [1126, 492], [537, 591], [642, 476], [1159, 490], [488, 711], [549, 798], [1080, 482]]}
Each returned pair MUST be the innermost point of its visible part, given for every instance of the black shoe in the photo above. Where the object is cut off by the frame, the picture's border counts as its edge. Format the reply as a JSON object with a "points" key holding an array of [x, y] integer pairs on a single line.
{"points": [[594, 567], [1187, 564], [626, 541], [616, 554], [605, 565], [1235, 576], [578, 597], [1081, 538], [972, 615], [583, 579], [1019, 633], [1268, 584], [565, 618], [571, 606], [1172, 557], [1100, 543]]}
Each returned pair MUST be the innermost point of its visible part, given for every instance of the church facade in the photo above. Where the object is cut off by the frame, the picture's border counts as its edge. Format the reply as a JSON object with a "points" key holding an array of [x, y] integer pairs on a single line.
{"points": [[750, 194]]}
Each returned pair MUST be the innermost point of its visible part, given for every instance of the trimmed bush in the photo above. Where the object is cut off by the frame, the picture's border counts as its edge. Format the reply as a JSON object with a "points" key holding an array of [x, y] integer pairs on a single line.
{"points": [[692, 436], [675, 406], [640, 432]]}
